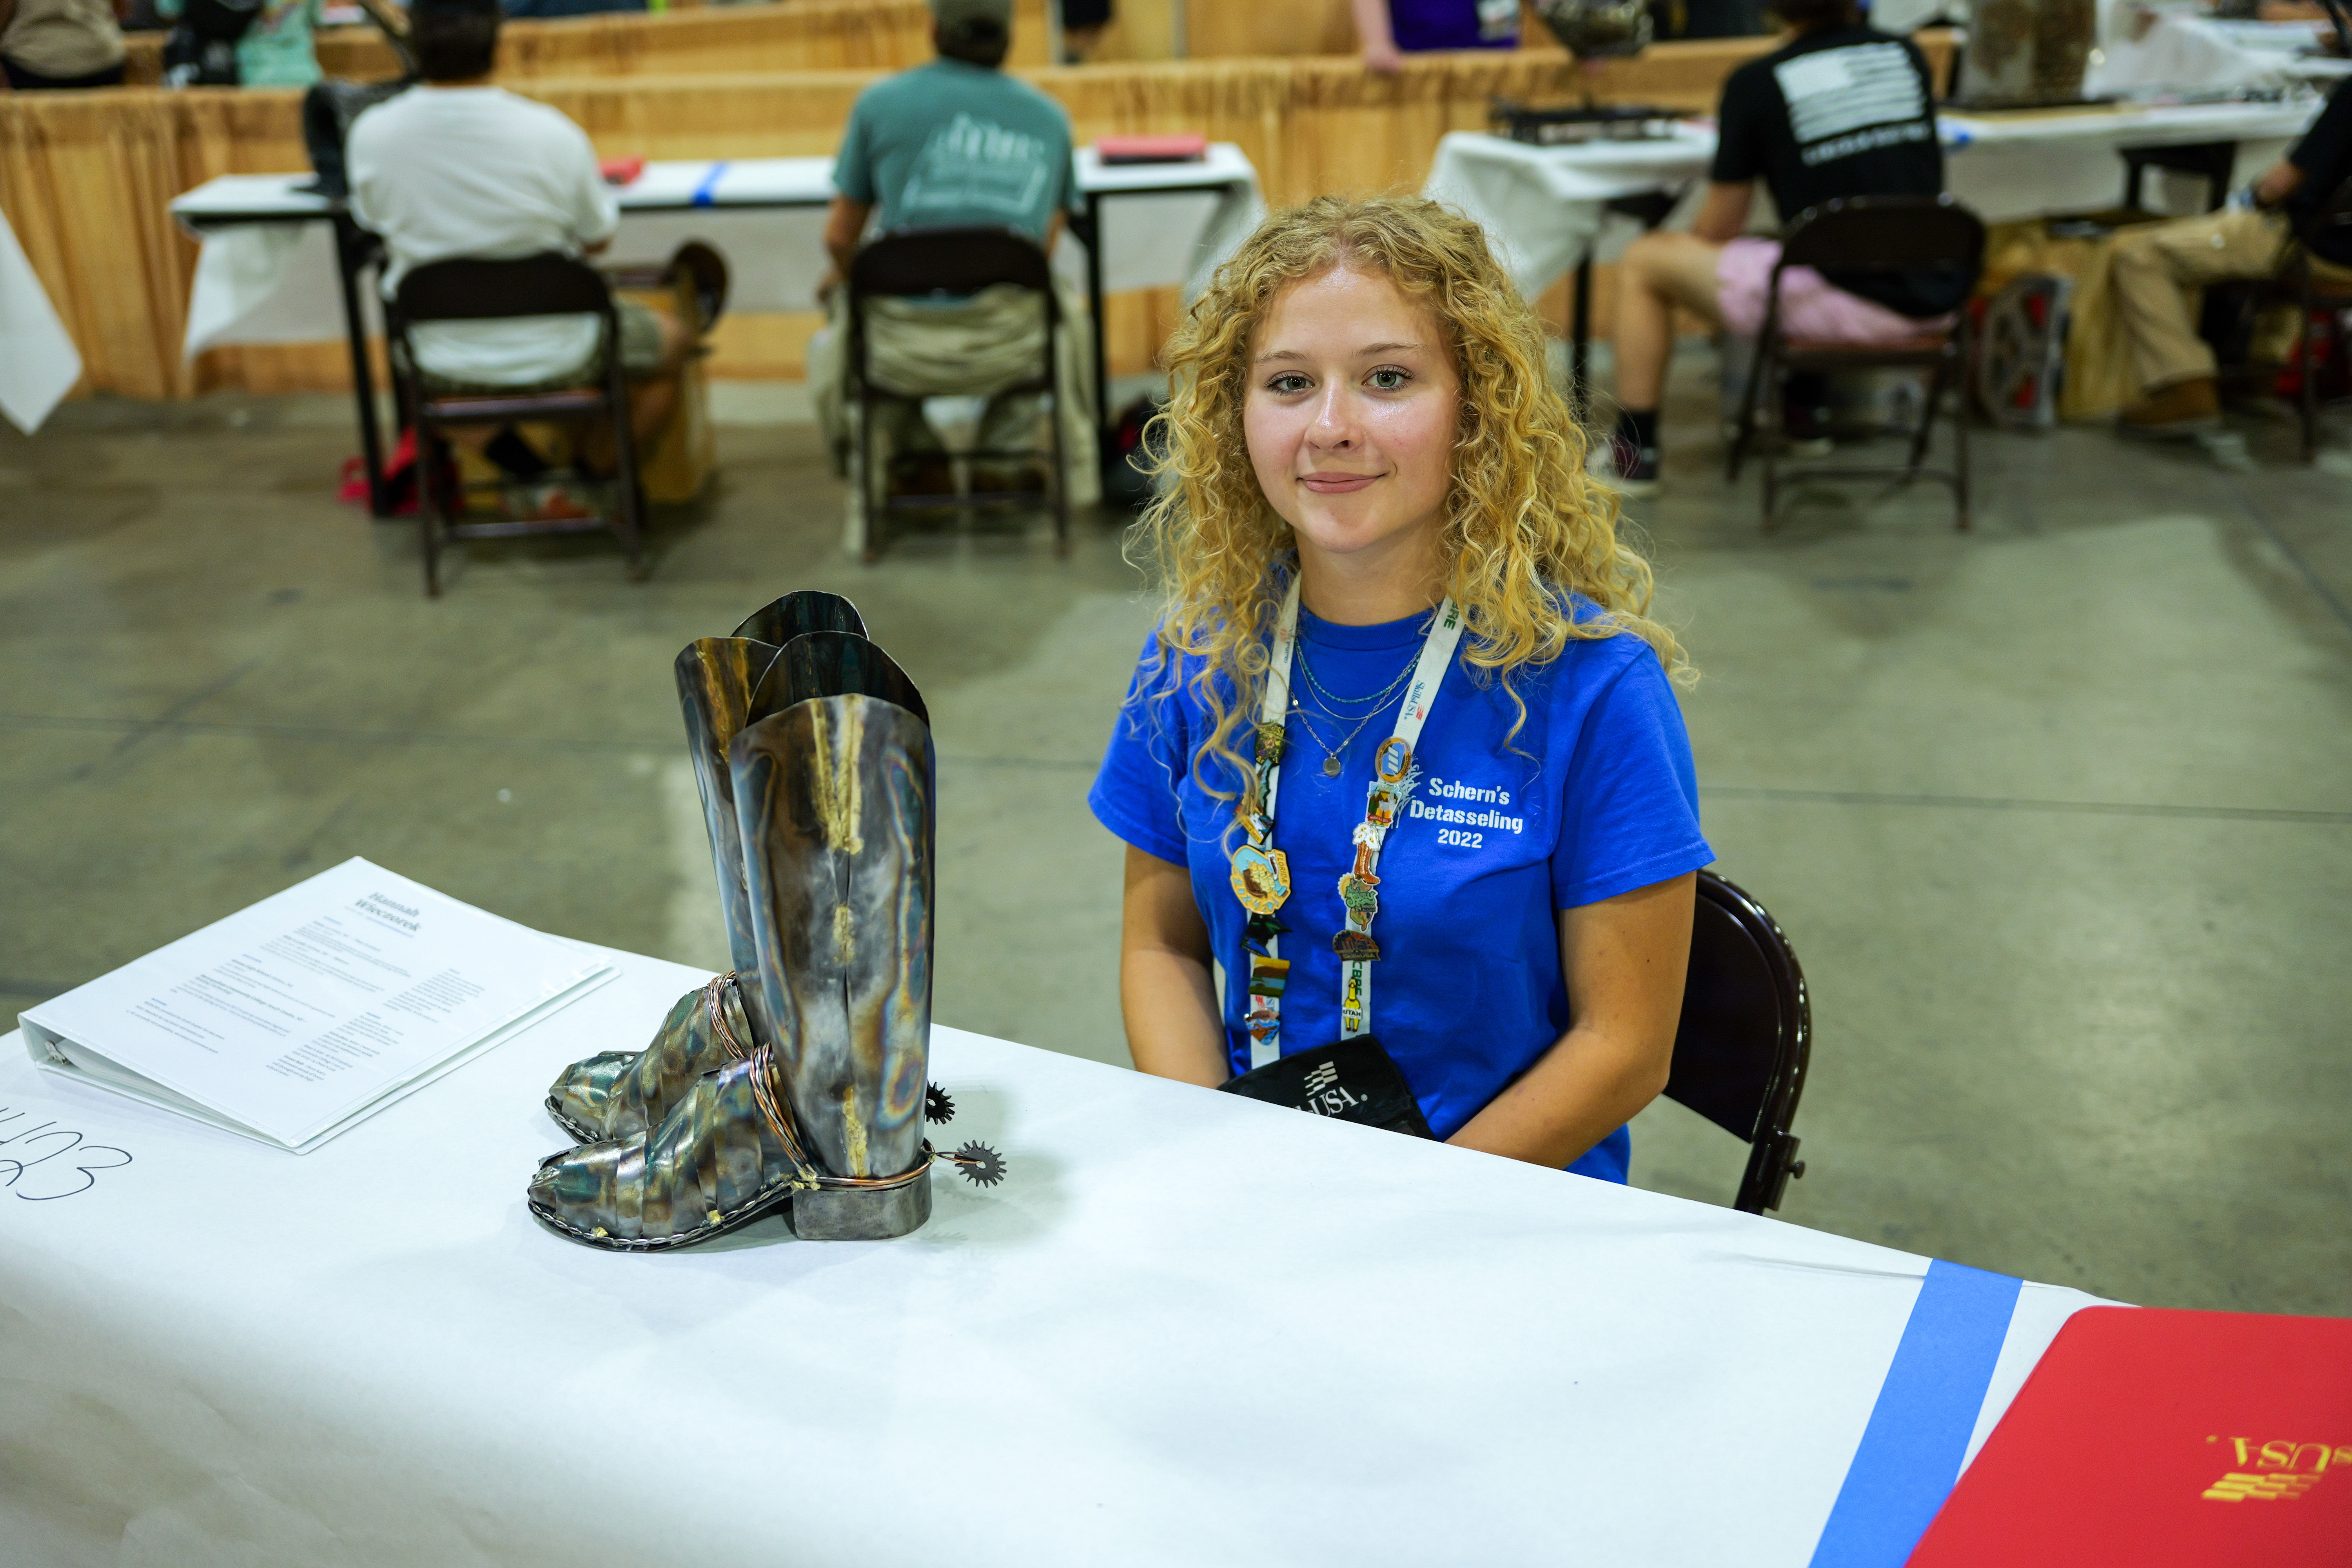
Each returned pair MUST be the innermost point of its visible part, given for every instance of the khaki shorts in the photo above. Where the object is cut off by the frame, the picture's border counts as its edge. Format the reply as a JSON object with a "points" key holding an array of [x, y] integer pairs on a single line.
{"points": [[641, 355]]}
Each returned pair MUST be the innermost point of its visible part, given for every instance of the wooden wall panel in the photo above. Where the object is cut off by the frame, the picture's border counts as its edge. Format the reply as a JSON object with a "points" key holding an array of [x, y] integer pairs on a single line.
{"points": [[790, 34], [1141, 30], [84, 177], [1222, 29]]}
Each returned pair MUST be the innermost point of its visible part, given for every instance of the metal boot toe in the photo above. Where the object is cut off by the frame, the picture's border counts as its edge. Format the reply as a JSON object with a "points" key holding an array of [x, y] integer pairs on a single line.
{"points": [[621, 1093]]}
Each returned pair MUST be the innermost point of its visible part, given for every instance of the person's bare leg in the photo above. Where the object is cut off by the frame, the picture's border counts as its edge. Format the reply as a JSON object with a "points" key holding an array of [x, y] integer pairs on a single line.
{"points": [[1658, 272], [652, 397]]}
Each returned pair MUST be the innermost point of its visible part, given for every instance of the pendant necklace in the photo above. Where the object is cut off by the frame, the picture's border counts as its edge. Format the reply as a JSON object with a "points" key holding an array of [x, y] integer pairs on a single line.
{"points": [[1331, 754], [1330, 700]]}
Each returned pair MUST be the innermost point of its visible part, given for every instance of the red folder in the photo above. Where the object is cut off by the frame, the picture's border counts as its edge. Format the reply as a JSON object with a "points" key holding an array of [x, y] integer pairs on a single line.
{"points": [[2151, 1438], [1189, 147]]}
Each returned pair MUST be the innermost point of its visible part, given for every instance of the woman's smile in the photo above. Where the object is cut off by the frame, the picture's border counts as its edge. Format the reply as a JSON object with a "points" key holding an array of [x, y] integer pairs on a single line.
{"points": [[1336, 484]]}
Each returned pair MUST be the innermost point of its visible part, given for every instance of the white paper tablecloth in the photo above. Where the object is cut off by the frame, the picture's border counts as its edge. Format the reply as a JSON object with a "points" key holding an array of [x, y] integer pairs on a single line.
{"points": [[2176, 52], [1544, 204], [1187, 1330], [259, 281], [38, 362]]}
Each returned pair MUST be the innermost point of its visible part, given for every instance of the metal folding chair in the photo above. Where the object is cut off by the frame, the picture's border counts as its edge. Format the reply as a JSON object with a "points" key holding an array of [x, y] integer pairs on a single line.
{"points": [[1865, 235], [1746, 1037], [951, 263], [476, 291], [2296, 283]]}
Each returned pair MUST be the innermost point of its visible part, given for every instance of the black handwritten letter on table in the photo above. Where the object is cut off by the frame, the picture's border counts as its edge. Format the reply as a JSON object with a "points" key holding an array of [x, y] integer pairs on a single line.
{"points": [[45, 1161]]}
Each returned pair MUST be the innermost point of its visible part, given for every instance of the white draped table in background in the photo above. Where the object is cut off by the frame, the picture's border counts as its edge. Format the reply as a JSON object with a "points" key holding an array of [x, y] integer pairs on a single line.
{"points": [[1547, 206], [1188, 1329], [266, 272], [38, 362], [271, 269]]}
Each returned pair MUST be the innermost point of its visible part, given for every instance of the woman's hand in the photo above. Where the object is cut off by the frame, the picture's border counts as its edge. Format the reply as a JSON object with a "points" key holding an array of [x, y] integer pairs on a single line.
{"points": [[1375, 38], [1167, 993], [1624, 959]]}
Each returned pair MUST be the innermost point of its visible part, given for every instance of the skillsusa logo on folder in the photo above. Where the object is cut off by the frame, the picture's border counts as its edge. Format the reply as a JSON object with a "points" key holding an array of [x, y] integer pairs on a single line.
{"points": [[2277, 1471]]}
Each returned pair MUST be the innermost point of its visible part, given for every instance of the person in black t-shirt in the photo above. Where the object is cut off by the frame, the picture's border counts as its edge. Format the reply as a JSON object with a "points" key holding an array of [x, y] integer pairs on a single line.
{"points": [[2150, 265], [1840, 111]]}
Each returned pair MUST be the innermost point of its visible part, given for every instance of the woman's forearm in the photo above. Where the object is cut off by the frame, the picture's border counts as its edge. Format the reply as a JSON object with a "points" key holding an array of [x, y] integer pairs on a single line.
{"points": [[1170, 1004], [1166, 992], [1625, 960], [1582, 1089]]}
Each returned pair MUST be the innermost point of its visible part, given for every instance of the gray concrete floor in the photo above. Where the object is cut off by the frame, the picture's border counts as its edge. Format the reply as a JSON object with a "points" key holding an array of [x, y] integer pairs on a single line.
{"points": [[2057, 813]]}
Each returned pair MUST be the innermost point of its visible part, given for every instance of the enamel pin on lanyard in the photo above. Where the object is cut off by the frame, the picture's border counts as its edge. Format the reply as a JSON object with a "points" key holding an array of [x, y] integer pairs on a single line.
{"points": [[1261, 873]]}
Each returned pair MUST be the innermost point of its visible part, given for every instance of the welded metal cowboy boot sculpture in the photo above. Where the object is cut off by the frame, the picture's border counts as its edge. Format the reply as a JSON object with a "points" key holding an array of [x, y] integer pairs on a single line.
{"points": [[823, 1109], [719, 686], [835, 797]]}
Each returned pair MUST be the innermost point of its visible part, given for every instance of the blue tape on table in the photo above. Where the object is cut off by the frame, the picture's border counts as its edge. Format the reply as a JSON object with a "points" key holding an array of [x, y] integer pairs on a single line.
{"points": [[1918, 1430], [707, 192]]}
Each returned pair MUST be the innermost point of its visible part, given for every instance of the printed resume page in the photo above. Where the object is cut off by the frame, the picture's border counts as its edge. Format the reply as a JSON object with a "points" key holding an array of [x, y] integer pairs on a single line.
{"points": [[289, 1017]]}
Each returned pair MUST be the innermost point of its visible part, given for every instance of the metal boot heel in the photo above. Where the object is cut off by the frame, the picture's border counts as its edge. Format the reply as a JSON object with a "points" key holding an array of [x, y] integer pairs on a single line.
{"points": [[719, 687]]}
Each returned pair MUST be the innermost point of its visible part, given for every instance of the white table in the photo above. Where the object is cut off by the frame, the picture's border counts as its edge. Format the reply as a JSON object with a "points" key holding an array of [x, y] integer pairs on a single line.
{"points": [[1547, 209], [280, 264], [38, 362], [1188, 1329]]}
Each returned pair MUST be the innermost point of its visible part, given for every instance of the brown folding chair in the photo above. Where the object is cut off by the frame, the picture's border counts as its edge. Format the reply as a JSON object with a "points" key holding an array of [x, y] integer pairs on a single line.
{"points": [[951, 263], [1872, 235], [475, 290], [2294, 284], [1746, 1037]]}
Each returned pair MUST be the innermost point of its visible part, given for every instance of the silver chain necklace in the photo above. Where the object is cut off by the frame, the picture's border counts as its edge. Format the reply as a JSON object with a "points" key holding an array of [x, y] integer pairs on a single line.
{"points": [[1331, 754], [1375, 700]]}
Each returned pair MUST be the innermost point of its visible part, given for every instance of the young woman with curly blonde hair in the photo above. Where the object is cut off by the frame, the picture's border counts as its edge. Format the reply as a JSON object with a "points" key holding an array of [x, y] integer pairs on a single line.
{"points": [[1402, 757]]}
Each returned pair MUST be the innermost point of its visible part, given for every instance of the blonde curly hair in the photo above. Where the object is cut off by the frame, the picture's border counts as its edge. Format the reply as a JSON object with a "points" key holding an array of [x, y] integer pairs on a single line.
{"points": [[1523, 525]]}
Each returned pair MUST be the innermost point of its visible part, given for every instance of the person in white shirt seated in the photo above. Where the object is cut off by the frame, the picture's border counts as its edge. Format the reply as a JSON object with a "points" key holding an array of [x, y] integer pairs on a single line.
{"points": [[455, 167]]}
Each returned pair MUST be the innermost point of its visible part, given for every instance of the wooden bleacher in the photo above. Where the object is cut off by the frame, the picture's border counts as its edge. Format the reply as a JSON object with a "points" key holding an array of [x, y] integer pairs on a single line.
{"points": [[85, 176]]}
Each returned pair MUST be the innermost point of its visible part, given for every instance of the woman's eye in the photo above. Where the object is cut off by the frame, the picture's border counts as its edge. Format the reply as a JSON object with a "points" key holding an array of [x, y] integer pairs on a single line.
{"points": [[1388, 378], [1288, 381]]}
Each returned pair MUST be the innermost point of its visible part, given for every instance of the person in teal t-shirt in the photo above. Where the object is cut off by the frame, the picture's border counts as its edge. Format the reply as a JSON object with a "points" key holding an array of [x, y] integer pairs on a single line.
{"points": [[276, 48], [952, 144], [956, 144]]}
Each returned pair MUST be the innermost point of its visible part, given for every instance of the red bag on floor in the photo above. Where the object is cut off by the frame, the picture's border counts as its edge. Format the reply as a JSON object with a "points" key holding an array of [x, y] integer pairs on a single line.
{"points": [[399, 480]]}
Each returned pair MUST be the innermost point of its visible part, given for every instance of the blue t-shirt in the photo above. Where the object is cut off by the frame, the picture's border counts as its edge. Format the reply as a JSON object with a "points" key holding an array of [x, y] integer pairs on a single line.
{"points": [[1594, 796]]}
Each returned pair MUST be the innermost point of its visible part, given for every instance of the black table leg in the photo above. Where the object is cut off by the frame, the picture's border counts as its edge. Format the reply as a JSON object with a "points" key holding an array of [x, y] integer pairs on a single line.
{"points": [[1105, 422], [1579, 341], [354, 247]]}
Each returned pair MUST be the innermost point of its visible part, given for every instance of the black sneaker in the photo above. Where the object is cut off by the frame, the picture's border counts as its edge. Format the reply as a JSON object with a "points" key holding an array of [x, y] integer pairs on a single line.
{"points": [[1628, 470], [1804, 424]]}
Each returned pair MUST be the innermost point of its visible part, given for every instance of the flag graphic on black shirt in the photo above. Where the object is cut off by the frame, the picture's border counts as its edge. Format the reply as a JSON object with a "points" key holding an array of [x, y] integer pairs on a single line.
{"points": [[1844, 101], [1846, 112]]}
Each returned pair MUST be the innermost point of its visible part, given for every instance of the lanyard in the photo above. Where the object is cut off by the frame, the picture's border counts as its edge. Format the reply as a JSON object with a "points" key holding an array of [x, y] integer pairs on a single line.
{"points": [[1261, 873]]}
